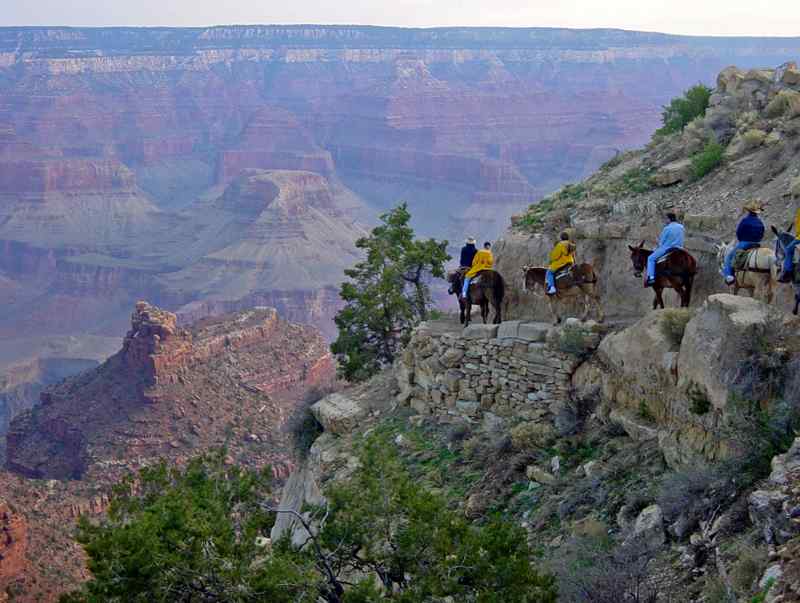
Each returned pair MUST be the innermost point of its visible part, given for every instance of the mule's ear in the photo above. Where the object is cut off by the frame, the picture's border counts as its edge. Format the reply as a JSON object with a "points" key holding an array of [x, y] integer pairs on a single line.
{"points": [[631, 247], [775, 230], [641, 244]]}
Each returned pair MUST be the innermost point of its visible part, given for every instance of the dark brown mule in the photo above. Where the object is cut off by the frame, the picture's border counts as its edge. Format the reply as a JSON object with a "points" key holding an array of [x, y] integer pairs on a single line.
{"points": [[582, 281], [676, 272], [489, 290]]}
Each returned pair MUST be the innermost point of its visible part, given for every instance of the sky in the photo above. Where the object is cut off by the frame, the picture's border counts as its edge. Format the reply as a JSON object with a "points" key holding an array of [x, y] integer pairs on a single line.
{"points": [[693, 17]]}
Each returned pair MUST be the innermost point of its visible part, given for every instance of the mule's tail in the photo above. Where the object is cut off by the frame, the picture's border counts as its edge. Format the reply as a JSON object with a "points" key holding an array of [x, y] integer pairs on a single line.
{"points": [[688, 288]]}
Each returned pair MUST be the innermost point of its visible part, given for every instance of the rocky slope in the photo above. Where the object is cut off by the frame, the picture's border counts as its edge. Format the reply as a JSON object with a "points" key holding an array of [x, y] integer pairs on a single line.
{"points": [[647, 450], [115, 144], [170, 393], [754, 114]]}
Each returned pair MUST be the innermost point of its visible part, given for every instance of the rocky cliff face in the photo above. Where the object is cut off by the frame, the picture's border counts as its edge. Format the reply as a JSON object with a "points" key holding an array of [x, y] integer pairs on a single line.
{"points": [[13, 546], [171, 392], [115, 144]]}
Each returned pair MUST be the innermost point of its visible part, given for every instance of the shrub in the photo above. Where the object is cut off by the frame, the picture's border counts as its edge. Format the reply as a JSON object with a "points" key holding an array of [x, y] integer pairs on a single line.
{"points": [[753, 138], [699, 403], [707, 159], [645, 412], [198, 535], [786, 102], [748, 568], [530, 435], [682, 110], [673, 324]]}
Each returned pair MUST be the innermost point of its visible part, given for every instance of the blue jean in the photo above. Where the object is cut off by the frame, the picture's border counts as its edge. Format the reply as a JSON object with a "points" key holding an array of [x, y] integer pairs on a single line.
{"points": [[658, 253], [788, 256], [727, 268], [550, 277], [465, 288]]}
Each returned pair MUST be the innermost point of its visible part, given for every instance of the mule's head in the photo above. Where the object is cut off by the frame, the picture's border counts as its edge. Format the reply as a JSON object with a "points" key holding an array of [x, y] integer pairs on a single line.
{"points": [[638, 259], [782, 240], [455, 279], [722, 251]]}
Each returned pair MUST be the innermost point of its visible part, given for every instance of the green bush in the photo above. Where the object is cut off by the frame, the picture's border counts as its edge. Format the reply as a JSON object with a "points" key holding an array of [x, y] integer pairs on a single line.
{"points": [[199, 534], [707, 159], [682, 110]]}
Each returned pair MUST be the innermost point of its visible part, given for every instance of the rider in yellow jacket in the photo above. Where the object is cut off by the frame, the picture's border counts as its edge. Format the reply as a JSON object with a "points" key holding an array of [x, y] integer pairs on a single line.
{"points": [[483, 260], [562, 255]]}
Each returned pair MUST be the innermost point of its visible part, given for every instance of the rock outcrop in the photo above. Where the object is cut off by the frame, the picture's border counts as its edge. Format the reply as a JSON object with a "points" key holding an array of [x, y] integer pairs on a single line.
{"points": [[173, 390], [685, 388]]}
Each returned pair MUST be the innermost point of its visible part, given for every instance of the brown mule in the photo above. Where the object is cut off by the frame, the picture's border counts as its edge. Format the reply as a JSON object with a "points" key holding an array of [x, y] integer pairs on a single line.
{"points": [[582, 281], [676, 272], [489, 290]]}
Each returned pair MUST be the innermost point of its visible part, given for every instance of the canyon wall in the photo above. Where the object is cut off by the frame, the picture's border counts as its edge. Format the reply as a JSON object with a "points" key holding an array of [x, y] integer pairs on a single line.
{"points": [[123, 152]]}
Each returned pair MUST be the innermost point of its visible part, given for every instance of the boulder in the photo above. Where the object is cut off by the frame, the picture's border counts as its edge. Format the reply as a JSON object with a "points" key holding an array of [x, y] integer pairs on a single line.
{"points": [[674, 172], [716, 342], [649, 526], [539, 475], [338, 414], [301, 489]]}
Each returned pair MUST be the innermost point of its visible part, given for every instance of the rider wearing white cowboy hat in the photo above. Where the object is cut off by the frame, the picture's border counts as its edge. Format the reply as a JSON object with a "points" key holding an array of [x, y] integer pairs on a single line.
{"points": [[749, 234]]}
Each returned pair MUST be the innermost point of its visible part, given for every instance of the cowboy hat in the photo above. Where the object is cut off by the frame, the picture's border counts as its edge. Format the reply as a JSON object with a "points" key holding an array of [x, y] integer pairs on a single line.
{"points": [[754, 206], [470, 240]]}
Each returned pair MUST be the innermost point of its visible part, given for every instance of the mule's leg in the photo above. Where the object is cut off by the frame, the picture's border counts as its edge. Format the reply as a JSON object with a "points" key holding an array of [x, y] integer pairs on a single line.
{"points": [[484, 311], [461, 311], [468, 318], [770, 291], [796, 302], [659, 298], [498, 313], [681, 294]]}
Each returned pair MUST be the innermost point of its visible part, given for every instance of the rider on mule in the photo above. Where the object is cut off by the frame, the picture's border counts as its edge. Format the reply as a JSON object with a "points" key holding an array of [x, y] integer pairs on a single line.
{"points": [[468, 252], [788, 257], [483, 260], [749, 234], [672, 236], [561, 256]]}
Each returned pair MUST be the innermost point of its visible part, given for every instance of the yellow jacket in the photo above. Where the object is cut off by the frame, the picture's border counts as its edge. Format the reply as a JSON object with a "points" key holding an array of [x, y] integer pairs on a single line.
{"points": [[797, 224], [561, 255], [483, 260]]}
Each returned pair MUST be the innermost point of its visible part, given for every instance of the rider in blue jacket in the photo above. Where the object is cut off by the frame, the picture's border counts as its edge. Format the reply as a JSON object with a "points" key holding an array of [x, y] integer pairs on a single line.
{"points": [[749, 234], [672, 237]]}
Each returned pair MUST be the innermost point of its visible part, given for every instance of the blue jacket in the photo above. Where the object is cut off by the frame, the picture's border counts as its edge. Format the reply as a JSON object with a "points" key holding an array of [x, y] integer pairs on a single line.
{"points": [[750, 229], [673, 235], [468, 252]]}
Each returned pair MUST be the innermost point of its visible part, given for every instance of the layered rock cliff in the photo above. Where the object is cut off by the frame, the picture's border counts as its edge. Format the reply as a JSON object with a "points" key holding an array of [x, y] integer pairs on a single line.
{"points": [[114, 144], [171, 391]]}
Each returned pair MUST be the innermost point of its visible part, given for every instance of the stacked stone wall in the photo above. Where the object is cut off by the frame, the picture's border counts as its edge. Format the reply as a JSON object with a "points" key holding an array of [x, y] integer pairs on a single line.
{"points": [[514, 370]]}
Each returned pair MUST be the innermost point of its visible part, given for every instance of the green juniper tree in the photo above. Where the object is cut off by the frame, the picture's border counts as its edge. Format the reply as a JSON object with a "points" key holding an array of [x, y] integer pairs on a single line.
{"points": [[197, 535], [683, 109], [387, 294]]}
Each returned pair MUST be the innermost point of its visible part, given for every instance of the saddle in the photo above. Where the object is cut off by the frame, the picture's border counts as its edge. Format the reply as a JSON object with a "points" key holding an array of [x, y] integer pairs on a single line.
{"points": [[667, 255], [566, 277], [661, 263], [745, 261]]}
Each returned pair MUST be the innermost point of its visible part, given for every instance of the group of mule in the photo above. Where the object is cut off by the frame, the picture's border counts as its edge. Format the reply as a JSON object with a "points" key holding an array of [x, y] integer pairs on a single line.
{"points": [[757, 274]]}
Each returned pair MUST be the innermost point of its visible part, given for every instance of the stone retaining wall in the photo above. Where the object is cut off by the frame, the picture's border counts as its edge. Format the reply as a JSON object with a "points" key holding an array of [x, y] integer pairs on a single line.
{"points": [[502, 371]]}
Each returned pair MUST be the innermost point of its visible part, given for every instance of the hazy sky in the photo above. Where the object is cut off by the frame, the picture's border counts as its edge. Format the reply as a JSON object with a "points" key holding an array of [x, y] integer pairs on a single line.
{"points": [[709, 17]]}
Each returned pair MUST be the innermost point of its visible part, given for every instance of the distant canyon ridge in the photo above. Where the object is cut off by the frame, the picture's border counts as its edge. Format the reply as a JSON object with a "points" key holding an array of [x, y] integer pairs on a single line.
{"points": [[209, 170]]}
